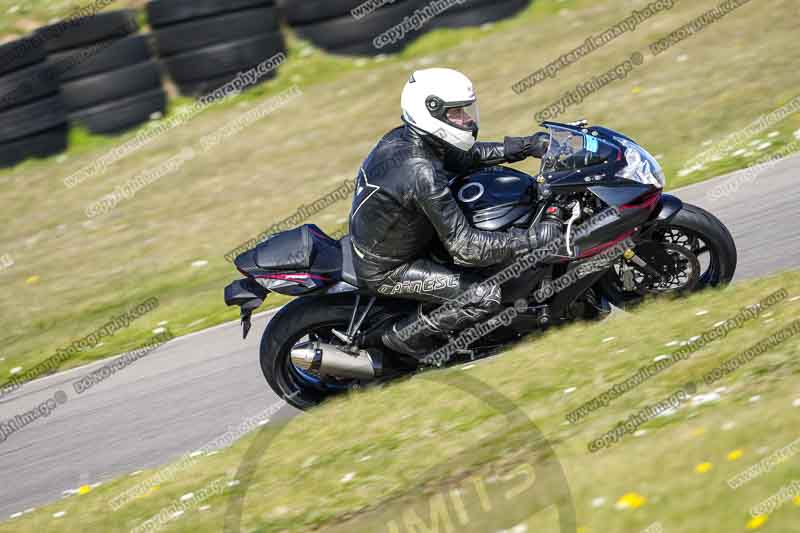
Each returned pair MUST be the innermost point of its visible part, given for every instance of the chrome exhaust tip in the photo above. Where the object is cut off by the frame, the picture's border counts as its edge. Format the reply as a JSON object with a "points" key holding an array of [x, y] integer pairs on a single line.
{"points": [[307, 356], [329, 360]]}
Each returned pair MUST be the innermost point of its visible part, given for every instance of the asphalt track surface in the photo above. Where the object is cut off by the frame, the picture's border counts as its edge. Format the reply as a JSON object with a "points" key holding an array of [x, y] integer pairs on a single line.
{"points": [[193, 389]]}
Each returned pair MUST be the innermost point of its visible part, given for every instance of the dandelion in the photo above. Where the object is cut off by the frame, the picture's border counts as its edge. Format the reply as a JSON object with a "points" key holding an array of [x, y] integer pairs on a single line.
{"points": [[756, 522], [85, 489], [631, 500], [702, 468], [735, 455]]}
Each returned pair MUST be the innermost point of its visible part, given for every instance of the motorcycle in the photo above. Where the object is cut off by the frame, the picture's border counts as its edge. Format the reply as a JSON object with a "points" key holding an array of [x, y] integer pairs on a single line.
{"points": [[311, 349]]}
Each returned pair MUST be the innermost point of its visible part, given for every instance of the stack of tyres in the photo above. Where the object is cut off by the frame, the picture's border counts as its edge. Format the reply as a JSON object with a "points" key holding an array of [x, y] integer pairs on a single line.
{"points": [[204, 44], [356, 27], [109, 81], [33, 121], [478, 12]]}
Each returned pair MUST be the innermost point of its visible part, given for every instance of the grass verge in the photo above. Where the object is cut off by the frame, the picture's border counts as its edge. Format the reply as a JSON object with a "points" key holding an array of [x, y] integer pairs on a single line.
{"points": [[71, 274], [356, 461]]}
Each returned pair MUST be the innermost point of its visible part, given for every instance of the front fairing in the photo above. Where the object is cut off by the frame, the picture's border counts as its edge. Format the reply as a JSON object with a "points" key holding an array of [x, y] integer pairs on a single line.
{"points": [[596, 155]]}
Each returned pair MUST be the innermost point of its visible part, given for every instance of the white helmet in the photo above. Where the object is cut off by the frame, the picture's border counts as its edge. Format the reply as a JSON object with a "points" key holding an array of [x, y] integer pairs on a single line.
{"points": [[442, 102]]}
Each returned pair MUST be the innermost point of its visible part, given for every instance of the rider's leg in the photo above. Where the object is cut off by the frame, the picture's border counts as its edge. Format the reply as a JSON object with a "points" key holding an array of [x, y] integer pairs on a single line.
{"points": [[432, 283]]}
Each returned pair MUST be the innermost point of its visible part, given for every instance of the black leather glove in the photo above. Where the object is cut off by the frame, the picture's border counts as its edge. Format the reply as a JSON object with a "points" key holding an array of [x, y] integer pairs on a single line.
{"points": [[518, 148]]}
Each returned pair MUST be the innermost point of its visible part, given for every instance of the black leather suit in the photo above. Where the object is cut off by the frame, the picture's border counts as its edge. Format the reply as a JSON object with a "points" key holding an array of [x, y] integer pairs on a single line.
{"points": [[402, 203]]}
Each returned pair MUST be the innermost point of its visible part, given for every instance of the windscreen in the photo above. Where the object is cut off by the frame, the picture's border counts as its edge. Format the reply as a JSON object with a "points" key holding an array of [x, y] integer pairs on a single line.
{"points": [[570, 150]]}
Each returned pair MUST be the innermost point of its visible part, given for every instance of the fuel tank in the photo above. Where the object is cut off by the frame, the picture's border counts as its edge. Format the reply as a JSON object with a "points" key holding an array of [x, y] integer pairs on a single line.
{"points": [[495, 198]]}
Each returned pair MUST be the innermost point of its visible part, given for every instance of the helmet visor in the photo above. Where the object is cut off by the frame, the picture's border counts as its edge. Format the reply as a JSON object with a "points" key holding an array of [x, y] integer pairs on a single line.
{"points": [[463, 115]]}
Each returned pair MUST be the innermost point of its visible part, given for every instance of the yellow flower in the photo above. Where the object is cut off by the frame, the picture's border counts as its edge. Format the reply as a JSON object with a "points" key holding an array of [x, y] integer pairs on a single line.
{"points": [[631, 500], [150, 491], [84, 489], [757, 521], [735, 454], [796, 500], [702, 468], [33, 279], [636, 90]]}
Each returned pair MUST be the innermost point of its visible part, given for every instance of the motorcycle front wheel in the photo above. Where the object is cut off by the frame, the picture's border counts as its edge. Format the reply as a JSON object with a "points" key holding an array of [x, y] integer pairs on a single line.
{"points": [[697, 251]]}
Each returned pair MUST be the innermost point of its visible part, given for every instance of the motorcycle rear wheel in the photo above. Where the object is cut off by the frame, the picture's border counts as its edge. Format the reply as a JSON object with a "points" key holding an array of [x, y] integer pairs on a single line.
{"points": [[309, 317]]}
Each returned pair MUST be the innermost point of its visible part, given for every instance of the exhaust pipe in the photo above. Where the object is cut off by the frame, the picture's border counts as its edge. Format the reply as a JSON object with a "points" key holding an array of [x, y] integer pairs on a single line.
{"points": [[329, 360]]}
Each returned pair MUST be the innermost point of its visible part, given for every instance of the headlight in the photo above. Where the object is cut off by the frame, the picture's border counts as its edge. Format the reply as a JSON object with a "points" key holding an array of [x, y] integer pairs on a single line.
{"points": [[641, 167]]}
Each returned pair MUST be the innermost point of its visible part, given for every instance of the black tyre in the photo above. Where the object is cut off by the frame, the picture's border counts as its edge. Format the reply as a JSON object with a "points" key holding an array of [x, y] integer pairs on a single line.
{"points": [[218, 60], [121, 115], [26, 85], [32, 118], [348, 35], [309, 11], [109, 86], [165, 12], [700, 241], [203, 87], [100, 57], [367, 49], [299, 318], [87, 30], [21, 53], [236, 26], [478, 12], [42, 144]]}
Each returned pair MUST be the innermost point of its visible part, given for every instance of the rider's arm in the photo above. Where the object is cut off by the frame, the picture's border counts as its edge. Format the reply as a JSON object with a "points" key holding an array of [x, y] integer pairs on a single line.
{"points": [[486, 154], [468, 246]]}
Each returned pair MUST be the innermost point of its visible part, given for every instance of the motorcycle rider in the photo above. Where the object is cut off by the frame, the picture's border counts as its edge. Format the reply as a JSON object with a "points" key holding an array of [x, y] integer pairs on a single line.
{"points": [[403, 203]]}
